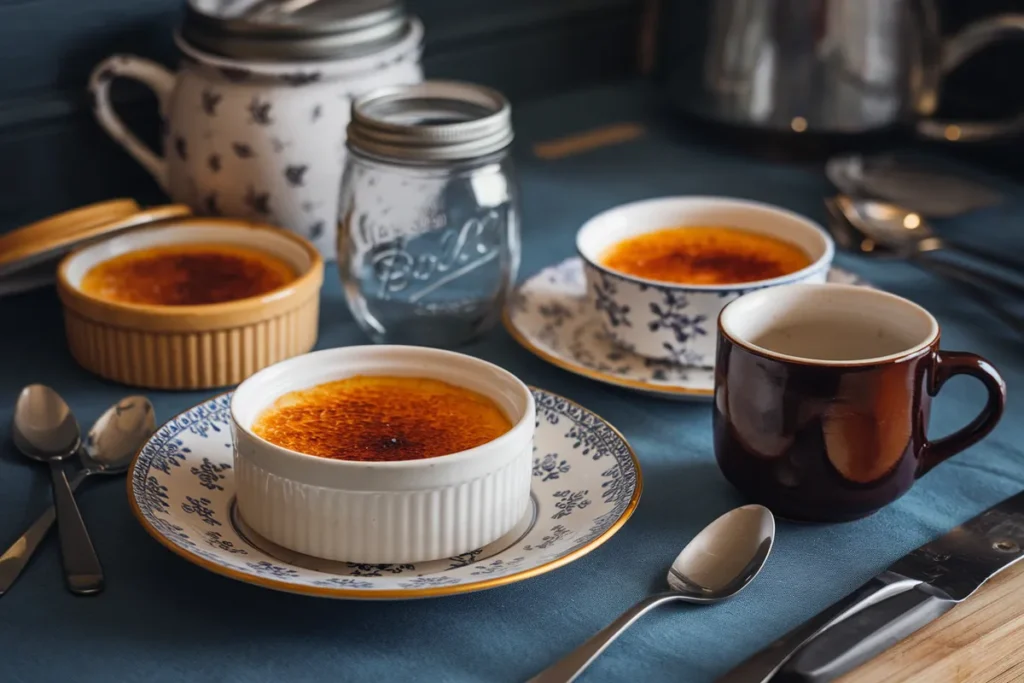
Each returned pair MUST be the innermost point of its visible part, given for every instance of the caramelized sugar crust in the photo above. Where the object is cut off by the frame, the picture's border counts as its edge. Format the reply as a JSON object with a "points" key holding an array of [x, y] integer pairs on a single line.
{"points": [[382, 419], [187, 275], [702, 255]]}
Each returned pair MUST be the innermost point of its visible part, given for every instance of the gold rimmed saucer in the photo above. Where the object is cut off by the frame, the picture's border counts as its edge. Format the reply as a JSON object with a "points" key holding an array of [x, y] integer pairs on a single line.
{"points": [[549, 315], [586, 484]]}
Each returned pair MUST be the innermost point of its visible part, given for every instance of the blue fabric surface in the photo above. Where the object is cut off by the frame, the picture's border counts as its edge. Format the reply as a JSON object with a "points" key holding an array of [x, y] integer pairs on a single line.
{"points": [[162, 619]]}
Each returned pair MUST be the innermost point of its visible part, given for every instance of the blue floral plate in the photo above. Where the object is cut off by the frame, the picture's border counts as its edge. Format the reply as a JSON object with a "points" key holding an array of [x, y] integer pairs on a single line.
{"points": [[586, 484], [549, 315]]}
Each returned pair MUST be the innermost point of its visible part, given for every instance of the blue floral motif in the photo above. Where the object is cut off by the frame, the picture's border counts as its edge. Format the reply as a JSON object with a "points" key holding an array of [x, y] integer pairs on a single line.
{"points": [[555, 313], [209, 474], [378, 569], [498, 566], [201, 507], [216, 541], [165, 450], [682, 356], [167, 509], [171, 531], [343, 582], [616, 486], [669, 315], [666, 370], [153, 496], [428, 581], [550, 467], [558, 532], [464, 559], [569, 501], [604, 301], [264, 568]]}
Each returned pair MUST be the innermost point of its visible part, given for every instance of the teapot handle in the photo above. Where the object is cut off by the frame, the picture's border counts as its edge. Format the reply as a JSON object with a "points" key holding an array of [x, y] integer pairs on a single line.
{"points": [[955, 52], [158, 79]]}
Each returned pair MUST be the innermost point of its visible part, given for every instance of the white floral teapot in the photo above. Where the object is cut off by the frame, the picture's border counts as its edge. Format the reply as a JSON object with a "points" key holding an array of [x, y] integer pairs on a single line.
{"points": [[254, 122]]}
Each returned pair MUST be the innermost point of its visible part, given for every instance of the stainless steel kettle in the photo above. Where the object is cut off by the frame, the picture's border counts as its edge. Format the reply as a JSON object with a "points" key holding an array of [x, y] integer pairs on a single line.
{"points": [[826, 66]]}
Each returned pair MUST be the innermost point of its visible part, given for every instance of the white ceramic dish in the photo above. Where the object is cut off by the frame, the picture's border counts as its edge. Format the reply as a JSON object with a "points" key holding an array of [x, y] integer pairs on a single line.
{"points": [[675, 322], [586, 483], [549, 314], [383, 512]]}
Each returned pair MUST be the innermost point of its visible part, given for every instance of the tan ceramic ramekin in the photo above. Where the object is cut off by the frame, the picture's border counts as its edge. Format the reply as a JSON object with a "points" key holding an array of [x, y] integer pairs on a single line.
{"points": [[192, 347]]}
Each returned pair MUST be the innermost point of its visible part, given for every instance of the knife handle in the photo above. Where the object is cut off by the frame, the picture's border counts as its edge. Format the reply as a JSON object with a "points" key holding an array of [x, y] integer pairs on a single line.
{"points": [[762, 666], [856, 639]]}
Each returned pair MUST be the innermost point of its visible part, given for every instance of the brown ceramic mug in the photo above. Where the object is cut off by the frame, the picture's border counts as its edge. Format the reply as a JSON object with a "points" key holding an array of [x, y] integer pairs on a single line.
{"points": [[822, 398]]}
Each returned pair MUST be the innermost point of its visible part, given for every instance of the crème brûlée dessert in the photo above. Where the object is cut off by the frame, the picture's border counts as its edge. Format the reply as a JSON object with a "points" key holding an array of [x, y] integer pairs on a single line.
{"points": [[705, 255], [187, 275], [381, 419]]}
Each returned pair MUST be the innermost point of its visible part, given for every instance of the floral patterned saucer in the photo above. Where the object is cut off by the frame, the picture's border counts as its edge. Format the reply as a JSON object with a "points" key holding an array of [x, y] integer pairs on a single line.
{"points": [[586, 484], [549, 315]]}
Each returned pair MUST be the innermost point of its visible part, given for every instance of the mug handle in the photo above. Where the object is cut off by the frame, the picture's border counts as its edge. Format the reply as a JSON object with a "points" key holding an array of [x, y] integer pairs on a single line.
{"points": [[957, 50], [949, 364], [157, 78]]}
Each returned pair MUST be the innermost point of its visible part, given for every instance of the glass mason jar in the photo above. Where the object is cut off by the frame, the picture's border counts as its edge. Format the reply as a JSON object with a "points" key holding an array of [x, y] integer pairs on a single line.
{"points": [[428, 239]]}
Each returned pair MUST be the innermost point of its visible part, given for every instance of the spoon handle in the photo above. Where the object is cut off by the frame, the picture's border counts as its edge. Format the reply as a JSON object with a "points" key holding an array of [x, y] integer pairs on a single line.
{"points": [[573, 664], [82, 569], [1008, 262], [975, 288], [16, 558]]}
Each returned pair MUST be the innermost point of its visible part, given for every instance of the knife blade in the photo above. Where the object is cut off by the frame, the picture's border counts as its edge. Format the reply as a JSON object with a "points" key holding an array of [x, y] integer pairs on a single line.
{"points": [[917, 589]]}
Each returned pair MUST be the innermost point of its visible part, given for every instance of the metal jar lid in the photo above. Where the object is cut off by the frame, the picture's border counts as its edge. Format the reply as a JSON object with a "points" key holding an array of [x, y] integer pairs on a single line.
{"points": [[431, 121], [294, 30]]}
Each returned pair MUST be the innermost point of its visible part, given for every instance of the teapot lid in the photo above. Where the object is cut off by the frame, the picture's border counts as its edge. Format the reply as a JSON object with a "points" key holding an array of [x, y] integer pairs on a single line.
{"points": [[294, 30]]}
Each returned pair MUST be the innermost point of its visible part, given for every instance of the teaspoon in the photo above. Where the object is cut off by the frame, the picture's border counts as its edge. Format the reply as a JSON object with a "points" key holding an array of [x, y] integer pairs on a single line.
{"points": [[908, 233], [45, 430], [108, 449], [974, 282], [716, 565]]}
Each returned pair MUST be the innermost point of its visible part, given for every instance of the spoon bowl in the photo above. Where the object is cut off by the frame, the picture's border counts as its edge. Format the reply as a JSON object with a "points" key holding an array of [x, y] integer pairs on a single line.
{"points": [[44, 427], [117, 435], [717, 564], [725, 557], [108, 449], [888, 225]]}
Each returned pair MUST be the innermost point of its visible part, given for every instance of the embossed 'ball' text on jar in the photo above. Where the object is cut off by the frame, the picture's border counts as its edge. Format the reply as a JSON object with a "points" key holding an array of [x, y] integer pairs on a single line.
{"points": [[428, 237]]}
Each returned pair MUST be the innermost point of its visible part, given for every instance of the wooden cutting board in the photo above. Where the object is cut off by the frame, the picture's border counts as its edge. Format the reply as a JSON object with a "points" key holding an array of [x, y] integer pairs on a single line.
{"points": [[980, 640]]}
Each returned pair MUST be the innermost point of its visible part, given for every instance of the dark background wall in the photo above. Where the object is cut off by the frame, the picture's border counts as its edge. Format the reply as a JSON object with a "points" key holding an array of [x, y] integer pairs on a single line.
{"points": [[56, 157]]}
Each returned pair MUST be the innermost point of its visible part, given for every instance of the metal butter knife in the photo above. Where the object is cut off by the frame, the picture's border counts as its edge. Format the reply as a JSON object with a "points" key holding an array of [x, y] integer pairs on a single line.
{"points": [[915, 590]]}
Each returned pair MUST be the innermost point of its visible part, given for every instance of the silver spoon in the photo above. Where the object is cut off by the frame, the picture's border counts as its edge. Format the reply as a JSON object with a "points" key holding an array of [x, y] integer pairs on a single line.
{"points": [[717, 564], [973, 281], [908, 233], [108, 449], [45, 430]]}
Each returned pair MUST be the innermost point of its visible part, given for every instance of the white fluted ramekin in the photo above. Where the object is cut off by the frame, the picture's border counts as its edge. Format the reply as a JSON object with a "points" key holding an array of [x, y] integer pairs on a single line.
{"points": [[383, 512]]}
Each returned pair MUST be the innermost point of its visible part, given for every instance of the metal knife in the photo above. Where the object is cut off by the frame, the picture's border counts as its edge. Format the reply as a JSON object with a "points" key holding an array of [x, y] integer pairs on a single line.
{"points": [[915, 590]]}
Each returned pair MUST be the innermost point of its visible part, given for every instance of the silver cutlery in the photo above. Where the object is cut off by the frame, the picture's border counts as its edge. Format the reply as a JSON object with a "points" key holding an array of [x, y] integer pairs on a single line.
{"points": [[914, 591], [108, 449], [716, 565], [45, 430], [973, 281], [908, 233]]}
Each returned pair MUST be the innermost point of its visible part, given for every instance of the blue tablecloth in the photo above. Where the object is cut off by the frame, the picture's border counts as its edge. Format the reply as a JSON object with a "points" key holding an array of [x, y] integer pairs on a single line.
{"points": [[162, 619]]}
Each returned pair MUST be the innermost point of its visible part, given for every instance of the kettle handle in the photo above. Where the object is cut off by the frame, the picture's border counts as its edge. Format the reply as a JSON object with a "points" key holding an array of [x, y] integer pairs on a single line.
{"points": [[958, 49], [158, 79]]}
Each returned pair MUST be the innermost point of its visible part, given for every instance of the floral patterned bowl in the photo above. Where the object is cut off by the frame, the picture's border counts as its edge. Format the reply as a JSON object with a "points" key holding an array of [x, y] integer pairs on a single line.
{"points": [[676, 322]]}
